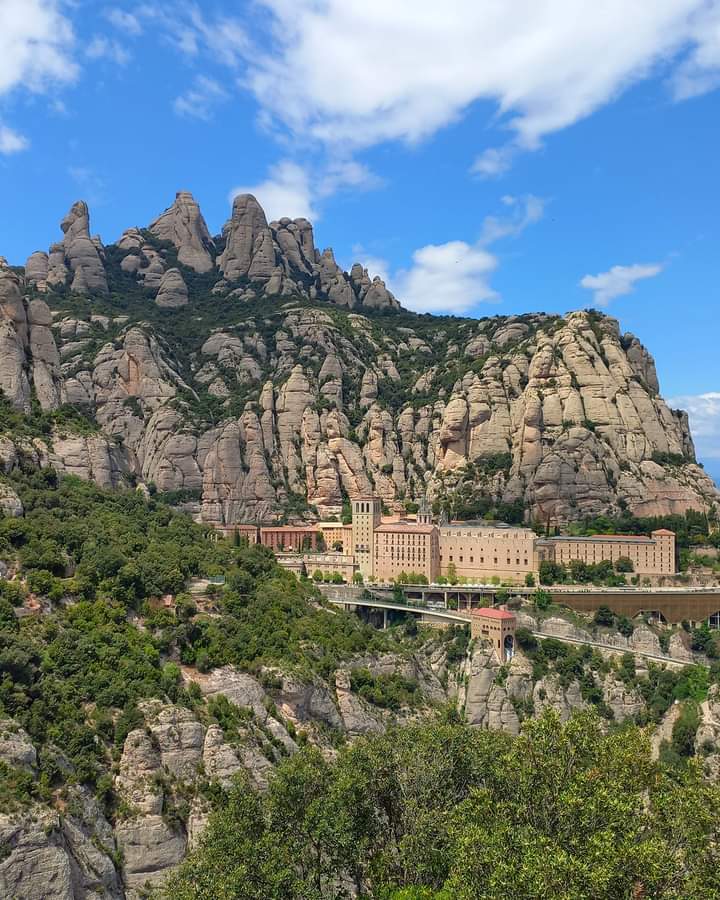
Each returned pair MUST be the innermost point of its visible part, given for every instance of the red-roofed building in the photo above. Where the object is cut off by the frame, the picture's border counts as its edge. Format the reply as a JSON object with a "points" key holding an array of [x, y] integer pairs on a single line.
{"points": [[496, 627]]}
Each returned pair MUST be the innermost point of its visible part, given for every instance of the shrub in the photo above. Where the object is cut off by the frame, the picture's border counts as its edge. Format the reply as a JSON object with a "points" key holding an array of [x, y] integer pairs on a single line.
{"points": [[604, 616]]}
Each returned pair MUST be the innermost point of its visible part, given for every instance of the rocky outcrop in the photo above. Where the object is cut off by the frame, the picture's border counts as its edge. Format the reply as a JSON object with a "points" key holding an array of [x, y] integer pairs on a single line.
{"points": [[169, 754], [282, 256], [16, 748], [57, 857], [248, 242], [46, 371], [78, 258], [173, 291], [90, 457], [36, 270], [707, 737], [48, 853], [13, 339], [624, 702], [488, 698], [358, 716], [183, 226]]}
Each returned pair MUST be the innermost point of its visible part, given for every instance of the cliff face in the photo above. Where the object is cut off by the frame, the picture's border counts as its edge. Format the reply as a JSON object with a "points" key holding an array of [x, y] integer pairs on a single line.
{"points": [[249, 371]]}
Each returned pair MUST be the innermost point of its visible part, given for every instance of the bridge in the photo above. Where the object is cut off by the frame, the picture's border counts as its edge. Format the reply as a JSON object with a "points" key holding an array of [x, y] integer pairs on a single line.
{"points": [[351, 597], [674, 605]]}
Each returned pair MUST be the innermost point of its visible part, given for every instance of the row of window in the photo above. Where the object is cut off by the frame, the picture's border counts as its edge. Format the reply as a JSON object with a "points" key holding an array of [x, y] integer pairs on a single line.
{"points": [[482, 560]]}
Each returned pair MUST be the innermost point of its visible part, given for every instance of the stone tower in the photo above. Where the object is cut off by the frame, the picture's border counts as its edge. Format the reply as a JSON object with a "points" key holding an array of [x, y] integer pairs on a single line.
{"points": [[366, 513], [424, 513]]}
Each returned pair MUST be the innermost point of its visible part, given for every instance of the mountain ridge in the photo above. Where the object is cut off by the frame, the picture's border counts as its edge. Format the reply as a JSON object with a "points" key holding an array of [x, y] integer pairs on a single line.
{"points": [[249, 373]]}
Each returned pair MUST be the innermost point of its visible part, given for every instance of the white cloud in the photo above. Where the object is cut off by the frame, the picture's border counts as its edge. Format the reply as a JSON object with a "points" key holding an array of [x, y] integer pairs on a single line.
{"points": [[704, 413], [354, 73], [454, 277], [340, 174], [290, 187], [618, 281], [107, 48], [11, 141], [223, 38], [524, 211], [35, 45], [124, 21], [447, 278], [286, 192], [493, 162], [699, 72], [199, 101]]}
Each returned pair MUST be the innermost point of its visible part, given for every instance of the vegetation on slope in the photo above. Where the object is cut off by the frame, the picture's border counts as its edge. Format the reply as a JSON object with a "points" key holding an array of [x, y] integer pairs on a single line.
{"points": [[72, 677], [444, 811]]}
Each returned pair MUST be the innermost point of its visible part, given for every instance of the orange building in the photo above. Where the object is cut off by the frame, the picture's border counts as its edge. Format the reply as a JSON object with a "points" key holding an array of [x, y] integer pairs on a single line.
{"points": [[326, 563], [479, 552], [249, 532], [335, 533], [654, 555], [405, 547], [497, 627], [290, 537]]}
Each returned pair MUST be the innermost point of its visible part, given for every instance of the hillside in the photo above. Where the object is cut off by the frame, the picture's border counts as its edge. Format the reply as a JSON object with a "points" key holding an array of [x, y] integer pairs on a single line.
{"points": [[128, 727], [249, 376]]}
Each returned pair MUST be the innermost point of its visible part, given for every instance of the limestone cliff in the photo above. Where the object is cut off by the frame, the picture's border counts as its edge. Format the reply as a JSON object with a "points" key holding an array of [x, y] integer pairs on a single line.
{"points": [[251, 373]]}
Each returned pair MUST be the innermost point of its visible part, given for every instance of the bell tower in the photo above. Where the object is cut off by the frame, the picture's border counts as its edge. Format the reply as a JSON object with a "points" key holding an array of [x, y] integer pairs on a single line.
{"points": [[366, 516]]}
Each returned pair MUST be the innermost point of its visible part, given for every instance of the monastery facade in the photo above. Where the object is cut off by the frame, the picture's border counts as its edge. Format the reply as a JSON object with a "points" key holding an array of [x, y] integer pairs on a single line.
{"points": [[381, 547]]}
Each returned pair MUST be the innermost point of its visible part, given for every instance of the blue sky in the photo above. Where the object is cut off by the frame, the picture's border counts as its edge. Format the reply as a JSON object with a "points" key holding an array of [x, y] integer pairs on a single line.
{"points": [[484, 157]]}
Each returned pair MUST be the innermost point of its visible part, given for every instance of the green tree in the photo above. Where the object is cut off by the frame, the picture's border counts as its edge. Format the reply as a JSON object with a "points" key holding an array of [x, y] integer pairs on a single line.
{"points": [[442, 810], [552, 573], [604, 616]]}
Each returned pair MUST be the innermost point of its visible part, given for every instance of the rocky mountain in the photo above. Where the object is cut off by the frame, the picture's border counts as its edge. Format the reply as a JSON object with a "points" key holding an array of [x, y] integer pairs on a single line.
{"points": [[250, 373]]}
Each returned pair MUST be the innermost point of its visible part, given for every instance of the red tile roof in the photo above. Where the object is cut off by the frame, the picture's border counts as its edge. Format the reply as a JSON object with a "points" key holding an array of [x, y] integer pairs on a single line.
{"points": [[490, 613]]}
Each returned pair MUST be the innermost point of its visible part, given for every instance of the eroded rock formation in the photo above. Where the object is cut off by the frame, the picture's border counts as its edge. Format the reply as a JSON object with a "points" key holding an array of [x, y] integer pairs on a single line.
{"points": [[312, 395]]}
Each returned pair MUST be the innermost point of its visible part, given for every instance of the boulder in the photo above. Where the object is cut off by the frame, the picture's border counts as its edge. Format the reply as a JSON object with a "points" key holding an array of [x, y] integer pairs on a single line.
{"points": [[173, 291], [36, 270]]}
